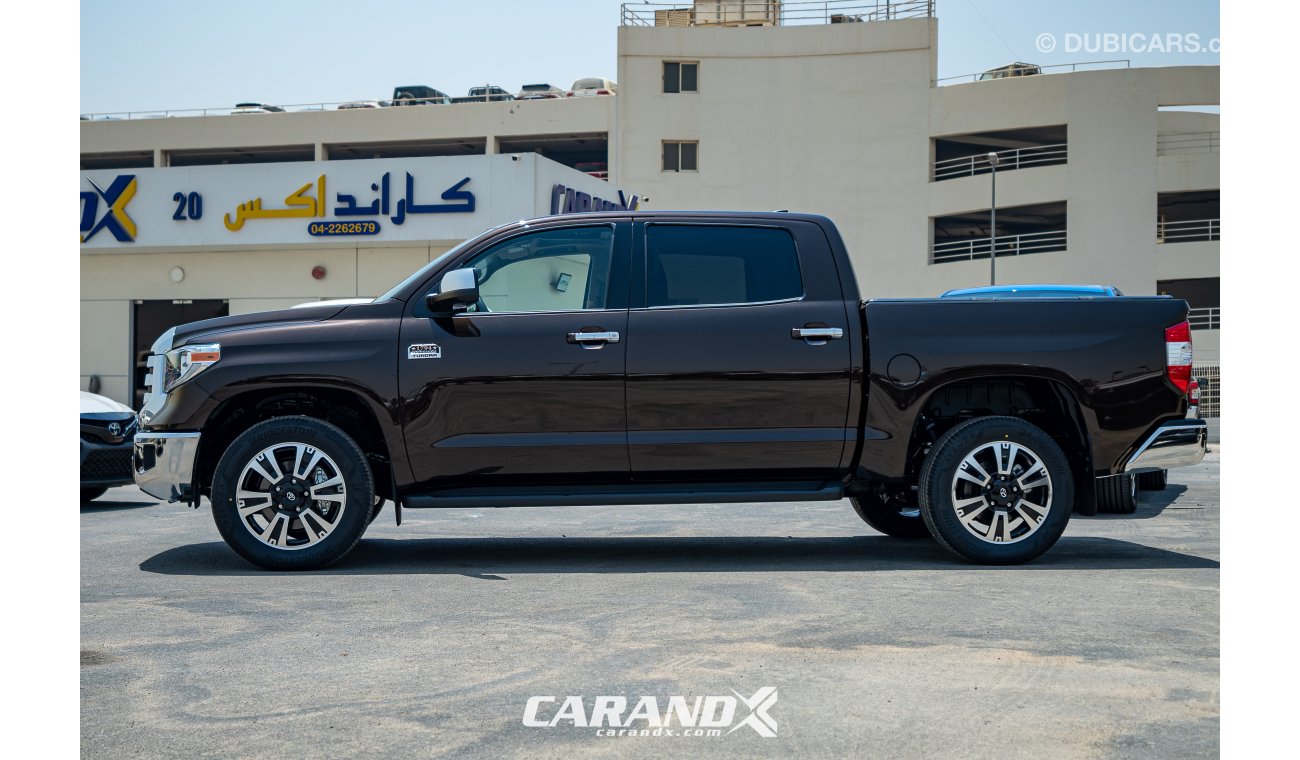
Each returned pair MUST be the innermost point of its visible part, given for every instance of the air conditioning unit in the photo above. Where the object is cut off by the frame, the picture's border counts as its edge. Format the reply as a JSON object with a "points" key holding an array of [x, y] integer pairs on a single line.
{"points": [[737, 12]]}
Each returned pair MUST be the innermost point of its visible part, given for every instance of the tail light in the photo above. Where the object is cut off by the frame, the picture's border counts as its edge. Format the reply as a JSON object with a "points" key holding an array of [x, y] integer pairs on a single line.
{"points": [[604, 92], [1194, 393], [1178, 355], [568, 94]]}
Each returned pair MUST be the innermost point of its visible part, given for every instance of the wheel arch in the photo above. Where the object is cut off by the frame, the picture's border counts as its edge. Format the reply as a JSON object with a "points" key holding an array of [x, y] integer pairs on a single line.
{"points": [[1047, 402], [345, 408]]}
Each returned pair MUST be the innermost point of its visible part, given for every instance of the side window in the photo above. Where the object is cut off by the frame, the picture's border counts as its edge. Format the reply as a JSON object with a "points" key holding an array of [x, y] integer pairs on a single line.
{"points": [[551, 270], [692, 265]]}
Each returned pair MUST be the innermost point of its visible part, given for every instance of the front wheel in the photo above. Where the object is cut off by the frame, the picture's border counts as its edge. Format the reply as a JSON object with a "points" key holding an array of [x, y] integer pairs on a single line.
{"points": [[996, 490], [292, 493]]}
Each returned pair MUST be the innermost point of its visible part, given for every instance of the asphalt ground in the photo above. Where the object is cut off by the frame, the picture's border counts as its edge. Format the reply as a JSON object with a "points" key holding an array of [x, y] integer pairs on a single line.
{"points": [[430, 638]]}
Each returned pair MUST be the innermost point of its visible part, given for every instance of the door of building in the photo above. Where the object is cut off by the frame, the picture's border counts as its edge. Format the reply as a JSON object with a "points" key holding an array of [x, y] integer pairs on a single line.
{"points": [[149, 319]]}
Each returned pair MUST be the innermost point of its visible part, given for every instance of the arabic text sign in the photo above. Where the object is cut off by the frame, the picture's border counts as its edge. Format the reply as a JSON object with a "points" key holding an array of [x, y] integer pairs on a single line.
{"points": [[435, 198]]}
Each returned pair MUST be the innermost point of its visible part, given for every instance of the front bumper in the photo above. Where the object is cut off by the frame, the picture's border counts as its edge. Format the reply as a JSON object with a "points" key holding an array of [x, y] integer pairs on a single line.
{"points": [[1172, 445], [163, 464]]}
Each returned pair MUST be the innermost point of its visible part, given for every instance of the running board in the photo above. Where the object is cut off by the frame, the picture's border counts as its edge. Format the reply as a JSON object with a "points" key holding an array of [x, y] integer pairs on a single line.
{"points": [[644, 493]]}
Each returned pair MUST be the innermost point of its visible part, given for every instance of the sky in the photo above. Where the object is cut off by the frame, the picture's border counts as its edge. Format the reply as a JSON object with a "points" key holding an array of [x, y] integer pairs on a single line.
{"points": [[140, 55]]}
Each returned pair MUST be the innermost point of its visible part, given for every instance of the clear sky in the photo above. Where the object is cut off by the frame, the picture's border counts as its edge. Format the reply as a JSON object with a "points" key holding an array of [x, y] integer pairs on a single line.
{"points": [[147, 54]]}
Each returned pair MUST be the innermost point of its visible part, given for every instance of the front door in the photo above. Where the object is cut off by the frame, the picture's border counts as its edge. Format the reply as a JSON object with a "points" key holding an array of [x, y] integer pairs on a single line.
{"points": [[721, 385], [527, 386]]}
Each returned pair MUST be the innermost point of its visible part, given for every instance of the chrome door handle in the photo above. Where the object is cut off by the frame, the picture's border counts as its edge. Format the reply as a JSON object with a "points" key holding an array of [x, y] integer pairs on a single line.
{"points": [[817, 333], [595, 339]]}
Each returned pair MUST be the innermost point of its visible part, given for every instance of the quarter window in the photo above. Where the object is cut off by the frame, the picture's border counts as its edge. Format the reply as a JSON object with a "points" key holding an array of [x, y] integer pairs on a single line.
{"points": [[681, 156], [680, 76], [693, 265], [551, 270]]}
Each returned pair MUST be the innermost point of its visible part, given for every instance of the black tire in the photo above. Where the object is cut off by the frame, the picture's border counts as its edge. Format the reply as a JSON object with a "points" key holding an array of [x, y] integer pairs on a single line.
{"points": [[354, 475], [941, 478], [1153, 481], [890, 516], [375, 510], [1117, 494], [90, 493]]}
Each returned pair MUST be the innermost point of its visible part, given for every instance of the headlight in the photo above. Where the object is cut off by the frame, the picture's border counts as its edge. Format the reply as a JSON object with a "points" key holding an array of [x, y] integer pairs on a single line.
{"points": [[187, 361]]}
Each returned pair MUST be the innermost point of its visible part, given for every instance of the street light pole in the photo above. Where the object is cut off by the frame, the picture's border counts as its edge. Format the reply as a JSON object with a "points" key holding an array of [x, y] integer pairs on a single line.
{"points": [[993, 221]]}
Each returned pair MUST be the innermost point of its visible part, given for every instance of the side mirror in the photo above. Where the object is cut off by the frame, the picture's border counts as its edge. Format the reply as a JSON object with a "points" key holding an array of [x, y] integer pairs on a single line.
{"points": [[459, 287]]}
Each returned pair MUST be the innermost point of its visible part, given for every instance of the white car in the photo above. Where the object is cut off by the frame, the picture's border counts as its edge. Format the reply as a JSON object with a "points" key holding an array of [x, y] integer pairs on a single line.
{"points": [[360, 104], [107, 430], [592, 86]]}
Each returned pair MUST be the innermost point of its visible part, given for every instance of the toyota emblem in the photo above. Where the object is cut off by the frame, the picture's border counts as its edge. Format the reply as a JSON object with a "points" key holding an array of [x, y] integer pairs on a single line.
{"points": [[115, 428]]}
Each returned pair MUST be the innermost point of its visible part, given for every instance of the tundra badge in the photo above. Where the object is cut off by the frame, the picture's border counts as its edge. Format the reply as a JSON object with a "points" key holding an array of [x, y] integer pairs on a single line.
{"points": [[424, 351]]}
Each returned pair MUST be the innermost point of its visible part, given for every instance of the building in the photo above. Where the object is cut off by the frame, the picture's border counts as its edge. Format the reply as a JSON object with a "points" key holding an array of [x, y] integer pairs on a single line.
{"points": [[1103, 175]]}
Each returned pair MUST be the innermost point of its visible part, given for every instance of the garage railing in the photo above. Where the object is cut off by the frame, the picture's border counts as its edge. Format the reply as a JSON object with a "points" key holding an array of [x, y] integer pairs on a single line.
{"points": [[1187, 231], [770, 12], [1008, 160], [1008, 245]]}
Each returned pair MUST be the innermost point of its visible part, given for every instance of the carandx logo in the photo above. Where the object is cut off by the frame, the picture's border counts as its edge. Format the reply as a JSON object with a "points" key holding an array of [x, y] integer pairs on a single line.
{"points": [[702, 716], [115, 218]]}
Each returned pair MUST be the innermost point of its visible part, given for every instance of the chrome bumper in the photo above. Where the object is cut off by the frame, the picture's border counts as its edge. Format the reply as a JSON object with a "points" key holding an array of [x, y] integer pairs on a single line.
{"points": [[1173, 444], [163, 464]]}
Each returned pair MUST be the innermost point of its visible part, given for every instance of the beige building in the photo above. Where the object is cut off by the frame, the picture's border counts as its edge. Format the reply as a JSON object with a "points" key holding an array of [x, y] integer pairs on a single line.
{"points": [[1103, 175]]}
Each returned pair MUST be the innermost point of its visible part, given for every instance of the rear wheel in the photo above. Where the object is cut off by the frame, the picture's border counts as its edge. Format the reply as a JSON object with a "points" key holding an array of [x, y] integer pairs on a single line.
{"points": [[1153, 481], [890, 515], [292, 493], [996, 490], [1117, 494]]}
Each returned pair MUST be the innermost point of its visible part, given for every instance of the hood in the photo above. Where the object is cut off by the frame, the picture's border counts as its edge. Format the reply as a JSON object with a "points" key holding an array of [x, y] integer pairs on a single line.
{"points": [[95, 404], [301, 313]]}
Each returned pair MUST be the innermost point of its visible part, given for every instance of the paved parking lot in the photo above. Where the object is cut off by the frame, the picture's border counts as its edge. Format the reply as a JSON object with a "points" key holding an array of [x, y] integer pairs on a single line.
{"points": [[430, 638]]}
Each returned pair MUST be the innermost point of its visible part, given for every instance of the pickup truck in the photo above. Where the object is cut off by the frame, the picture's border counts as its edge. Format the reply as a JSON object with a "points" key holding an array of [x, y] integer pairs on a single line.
{"points": [[664, 358]]}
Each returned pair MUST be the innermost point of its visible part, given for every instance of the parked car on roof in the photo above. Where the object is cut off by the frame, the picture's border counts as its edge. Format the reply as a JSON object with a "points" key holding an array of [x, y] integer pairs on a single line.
{"points": [[1011, 70], [597, 169], [592, 86], [484, 94], [256, 108], [359, 104], [539, 92], [107, 428], [418, 95]]}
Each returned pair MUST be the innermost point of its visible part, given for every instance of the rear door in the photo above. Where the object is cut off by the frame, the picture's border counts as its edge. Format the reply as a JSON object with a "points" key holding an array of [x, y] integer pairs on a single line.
{"points": [[738, 353]]}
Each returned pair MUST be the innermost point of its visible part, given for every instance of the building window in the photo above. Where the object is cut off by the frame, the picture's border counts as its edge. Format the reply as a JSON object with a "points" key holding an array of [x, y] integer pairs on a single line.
{"points": [[681, 77], [681, 156]]}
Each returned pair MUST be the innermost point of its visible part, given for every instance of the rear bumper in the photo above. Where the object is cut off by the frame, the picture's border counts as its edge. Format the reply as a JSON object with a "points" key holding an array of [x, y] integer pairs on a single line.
{"points": [[1172, 445], [163, 464]]}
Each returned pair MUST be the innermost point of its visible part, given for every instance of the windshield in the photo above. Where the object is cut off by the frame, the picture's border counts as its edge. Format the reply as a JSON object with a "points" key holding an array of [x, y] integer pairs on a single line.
{"points": [[420, 273]]}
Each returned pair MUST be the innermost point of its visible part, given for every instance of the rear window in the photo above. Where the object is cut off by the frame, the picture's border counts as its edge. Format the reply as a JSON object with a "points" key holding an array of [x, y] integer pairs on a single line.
{"points": [[536, 88], [694, 265], [589, 84]]}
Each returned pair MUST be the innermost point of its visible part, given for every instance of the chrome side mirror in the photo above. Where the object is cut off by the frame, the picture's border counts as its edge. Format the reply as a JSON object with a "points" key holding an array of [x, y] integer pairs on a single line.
{"points": [[459, 287]]}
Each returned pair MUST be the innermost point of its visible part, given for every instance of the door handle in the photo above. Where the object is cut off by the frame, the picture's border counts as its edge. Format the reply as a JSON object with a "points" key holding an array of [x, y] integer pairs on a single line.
{"points": [[592, 338], [817, 336]]}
